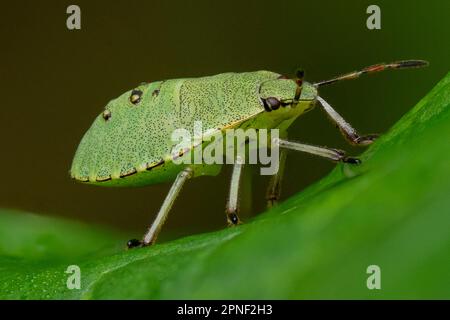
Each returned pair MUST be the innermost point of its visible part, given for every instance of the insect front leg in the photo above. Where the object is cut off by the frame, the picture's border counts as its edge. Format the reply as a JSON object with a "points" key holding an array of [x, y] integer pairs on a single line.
{"points": [[346, 129], [232, 207], [335, 155], [274, 189], [155, 228]]}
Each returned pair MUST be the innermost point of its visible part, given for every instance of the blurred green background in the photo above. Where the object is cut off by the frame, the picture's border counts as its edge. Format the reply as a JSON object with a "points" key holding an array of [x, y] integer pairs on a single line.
{"points": [[55, 81]]}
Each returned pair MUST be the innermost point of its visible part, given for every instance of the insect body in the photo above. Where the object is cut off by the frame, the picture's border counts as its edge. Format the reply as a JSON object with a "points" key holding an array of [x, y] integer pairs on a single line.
{"points": [[129, 143]]}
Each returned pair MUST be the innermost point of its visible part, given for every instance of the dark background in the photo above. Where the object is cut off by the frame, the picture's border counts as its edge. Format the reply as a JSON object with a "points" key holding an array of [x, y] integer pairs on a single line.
{"points": [[55, 81]]}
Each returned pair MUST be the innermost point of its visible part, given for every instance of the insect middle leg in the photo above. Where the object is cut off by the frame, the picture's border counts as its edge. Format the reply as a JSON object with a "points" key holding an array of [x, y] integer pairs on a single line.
{"points": [[274, 189], [155, 228], [346, 129], [232, 207]]}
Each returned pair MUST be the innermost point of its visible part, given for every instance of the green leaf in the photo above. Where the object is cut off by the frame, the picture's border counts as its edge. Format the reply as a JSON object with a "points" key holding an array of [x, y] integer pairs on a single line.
{"points": [[393, 211]]}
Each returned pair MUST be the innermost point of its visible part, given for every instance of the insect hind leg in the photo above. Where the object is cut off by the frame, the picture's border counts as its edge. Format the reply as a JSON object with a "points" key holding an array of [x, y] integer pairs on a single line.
{"points": [[155, 228]]}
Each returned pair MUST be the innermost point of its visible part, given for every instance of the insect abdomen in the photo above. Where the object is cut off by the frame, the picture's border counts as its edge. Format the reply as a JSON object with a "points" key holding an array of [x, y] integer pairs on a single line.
{"points": [[137, 136]]}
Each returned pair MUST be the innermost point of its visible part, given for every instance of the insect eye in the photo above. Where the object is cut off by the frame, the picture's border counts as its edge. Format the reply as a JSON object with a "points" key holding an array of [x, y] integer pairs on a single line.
{"points": [[135, 97], [106, 115], [272, 103]]}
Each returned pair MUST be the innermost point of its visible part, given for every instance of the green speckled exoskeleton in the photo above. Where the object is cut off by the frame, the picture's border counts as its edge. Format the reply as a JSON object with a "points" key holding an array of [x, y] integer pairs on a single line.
{"points": [[129, 143]]}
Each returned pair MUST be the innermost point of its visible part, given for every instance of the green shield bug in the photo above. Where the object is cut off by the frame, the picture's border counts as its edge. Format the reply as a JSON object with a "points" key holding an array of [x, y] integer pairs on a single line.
{"points": [[129, 143]]}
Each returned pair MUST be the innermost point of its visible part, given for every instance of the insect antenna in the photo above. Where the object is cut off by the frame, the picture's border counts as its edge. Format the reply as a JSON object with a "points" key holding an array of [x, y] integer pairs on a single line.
{"points": [[299, 75], [375, 68]]}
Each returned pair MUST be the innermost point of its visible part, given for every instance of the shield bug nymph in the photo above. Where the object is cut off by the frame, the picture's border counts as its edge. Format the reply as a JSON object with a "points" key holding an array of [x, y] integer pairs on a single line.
{"points": [[129, 143]]}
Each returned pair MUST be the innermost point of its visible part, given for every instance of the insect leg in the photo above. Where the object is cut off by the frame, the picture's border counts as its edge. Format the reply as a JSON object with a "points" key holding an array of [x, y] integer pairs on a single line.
{"points": [[274, 189], [328, 153], [232, 207], [346, 129], [155, 228]]}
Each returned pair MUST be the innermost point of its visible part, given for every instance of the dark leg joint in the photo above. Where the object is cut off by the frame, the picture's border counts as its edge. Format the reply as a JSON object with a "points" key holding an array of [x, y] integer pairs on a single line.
{"points": [[365, 140], [134, 243], [273, 197], [272, 200], [351, 160], [341, 156], [233, 219], [338, 154], [358, 140]]}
